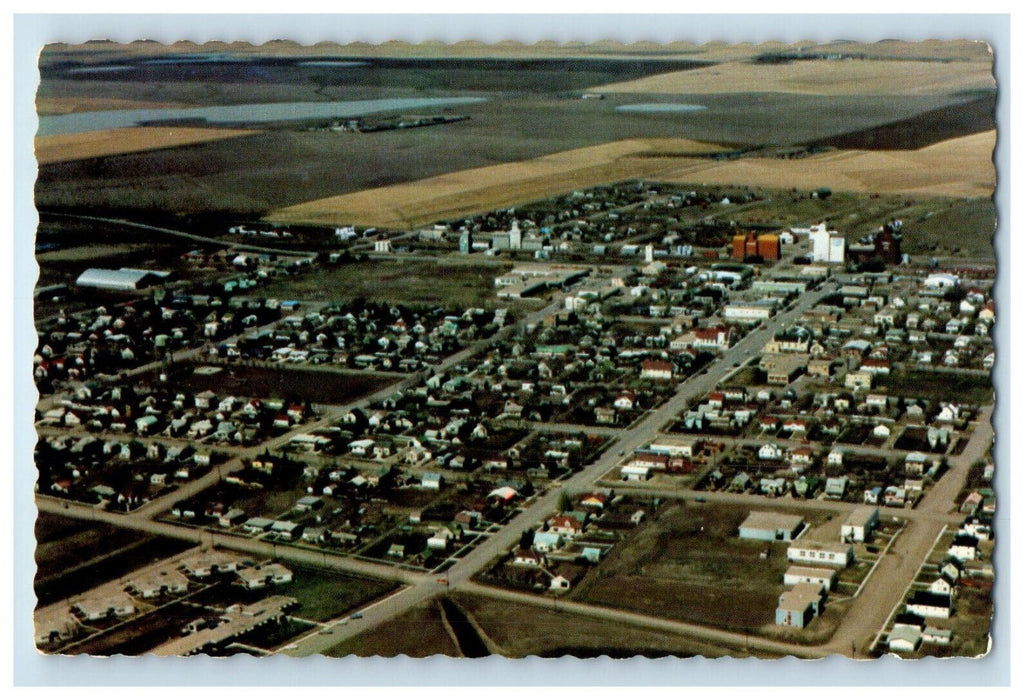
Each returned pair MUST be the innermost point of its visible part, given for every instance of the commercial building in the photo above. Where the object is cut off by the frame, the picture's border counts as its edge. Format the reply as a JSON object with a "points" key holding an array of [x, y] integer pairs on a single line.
{"points": [[860, 523], [124, 279], [752, 245], [800, 605], [818, 553], [770, 527]]}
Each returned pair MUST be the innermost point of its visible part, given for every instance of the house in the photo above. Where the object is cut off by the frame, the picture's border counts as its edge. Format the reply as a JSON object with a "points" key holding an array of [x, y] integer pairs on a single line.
{"points": [[526, 557], [261, 576], [635, 473], [826, 578], [836, 487], [660, 370], [859, 524], [797, 607], [286, 530], [881, 431], [964, 547], [770, 451], [904, 638], [872, 496], [916, 464], [119, 604], [431, 480], [802, 456], [895, 496], [836, 457], [770, 527], [821, 553], [547, 541], [928, 604], [625, 401], [565, 525], [156, 584], [936, 635], [254, 526]]}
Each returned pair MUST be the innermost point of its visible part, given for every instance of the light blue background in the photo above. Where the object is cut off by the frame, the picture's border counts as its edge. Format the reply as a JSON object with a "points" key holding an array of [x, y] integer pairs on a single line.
{"points": [[31, 32]]}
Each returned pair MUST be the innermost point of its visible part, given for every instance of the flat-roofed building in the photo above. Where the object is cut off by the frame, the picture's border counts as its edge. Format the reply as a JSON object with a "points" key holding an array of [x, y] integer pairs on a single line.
{"points": [[826, 578], [860, 523], [797, 607], [770, 527], [834, 554]]}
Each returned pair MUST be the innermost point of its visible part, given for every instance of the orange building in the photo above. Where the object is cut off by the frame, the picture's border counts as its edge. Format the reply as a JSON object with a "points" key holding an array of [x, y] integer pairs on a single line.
{"points": [[766, 246]]}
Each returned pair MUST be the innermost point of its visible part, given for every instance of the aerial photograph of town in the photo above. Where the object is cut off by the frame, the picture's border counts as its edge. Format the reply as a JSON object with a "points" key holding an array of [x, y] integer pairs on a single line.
{"points": [[594, 349]]}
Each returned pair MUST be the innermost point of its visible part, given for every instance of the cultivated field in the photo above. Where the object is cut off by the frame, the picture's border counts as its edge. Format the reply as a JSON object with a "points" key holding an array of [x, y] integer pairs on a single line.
{"points": [[97, 144], [960, 167], [479, 189], [818, 77], [67, 105]]}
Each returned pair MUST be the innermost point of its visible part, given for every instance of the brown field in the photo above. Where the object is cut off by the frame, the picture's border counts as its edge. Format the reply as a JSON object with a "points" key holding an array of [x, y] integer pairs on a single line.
{"points": [[960, 167], [479, 189], [524, 630], [95, 144], [818, 77], [67, 105]]}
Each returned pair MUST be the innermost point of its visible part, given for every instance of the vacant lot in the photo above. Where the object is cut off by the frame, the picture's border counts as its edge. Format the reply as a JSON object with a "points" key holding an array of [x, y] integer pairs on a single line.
{"points": [[417, 633], [395, 282], [97, 144], [688, 564], [819, 77], [72, 556], [938, 386], [524, 630], [317, 386]]}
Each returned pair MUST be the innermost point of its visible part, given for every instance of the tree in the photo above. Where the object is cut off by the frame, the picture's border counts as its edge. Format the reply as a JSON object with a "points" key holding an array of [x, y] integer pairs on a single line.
{"points": [[526, 539], [565, 502]]}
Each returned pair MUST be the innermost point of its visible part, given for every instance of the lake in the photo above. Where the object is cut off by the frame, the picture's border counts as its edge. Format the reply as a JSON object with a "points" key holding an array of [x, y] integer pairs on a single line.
{"points": [[661, 107], [80, 122]]}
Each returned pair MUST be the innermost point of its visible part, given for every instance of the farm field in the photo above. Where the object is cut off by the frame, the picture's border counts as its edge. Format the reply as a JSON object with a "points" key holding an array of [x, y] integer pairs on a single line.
{"points": [[276, 169], [317, 386], [819, 77], [960, 167], [69, 105], [97, 144], [469, 191], [397, 282]]}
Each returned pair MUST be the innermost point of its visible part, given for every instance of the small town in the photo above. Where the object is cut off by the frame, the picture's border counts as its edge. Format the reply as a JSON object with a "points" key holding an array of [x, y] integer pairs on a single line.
{"points": [[669, 417]]}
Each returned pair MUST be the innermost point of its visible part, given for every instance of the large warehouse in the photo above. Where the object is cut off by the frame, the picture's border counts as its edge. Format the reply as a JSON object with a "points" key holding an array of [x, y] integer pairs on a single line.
{"points": [[125, 279]]}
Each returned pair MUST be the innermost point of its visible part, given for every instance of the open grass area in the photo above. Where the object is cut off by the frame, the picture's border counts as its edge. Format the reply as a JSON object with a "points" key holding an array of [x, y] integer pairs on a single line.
{"points": [[315, 385], [417, 633], [395, 282], [523, 630], [324, 595], [935, 386]]}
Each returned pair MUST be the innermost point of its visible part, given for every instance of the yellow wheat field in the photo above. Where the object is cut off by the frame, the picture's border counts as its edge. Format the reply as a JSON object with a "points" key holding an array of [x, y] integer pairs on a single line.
{"points": [[960, 167], [93, 144]]}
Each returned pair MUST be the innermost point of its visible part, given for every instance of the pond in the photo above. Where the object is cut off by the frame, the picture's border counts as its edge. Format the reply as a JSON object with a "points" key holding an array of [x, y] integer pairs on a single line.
{"points": [[80, 122]]}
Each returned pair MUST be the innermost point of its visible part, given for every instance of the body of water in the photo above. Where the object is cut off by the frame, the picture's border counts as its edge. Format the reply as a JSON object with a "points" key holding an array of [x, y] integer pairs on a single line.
{"points": [[661, 107], [236, 114]]}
